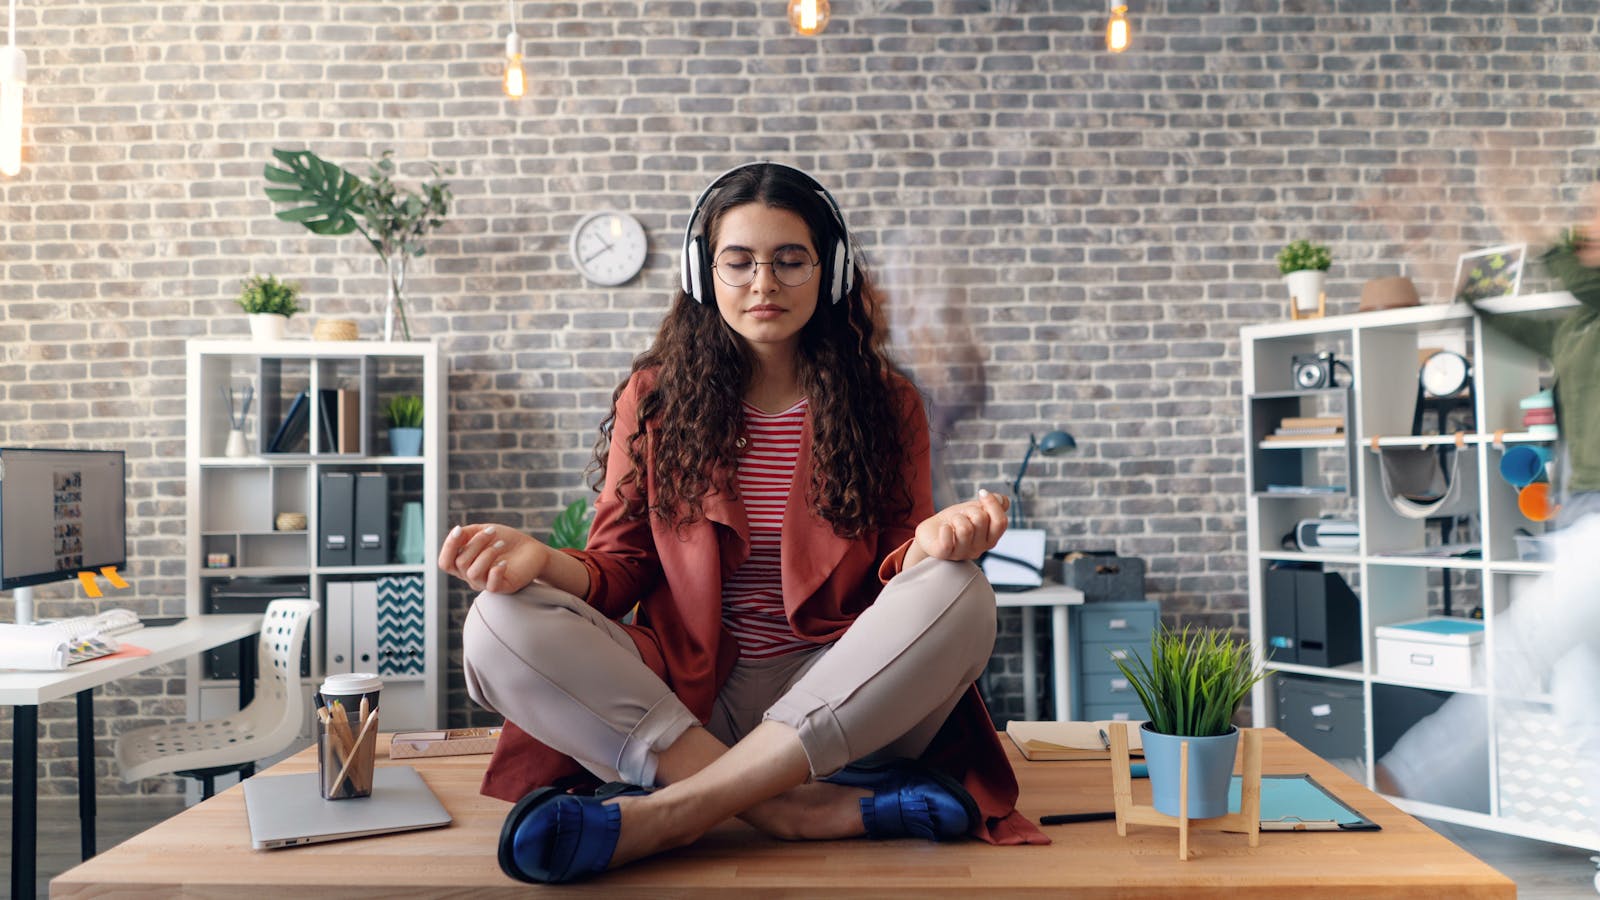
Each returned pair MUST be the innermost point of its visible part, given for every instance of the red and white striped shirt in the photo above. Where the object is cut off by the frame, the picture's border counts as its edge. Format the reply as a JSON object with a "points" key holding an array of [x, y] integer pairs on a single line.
{"points": [[752, 597]]}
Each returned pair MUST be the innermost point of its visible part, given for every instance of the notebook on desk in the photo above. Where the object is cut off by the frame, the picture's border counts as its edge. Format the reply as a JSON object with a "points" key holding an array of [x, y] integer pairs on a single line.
{"points": [[288, 810]]}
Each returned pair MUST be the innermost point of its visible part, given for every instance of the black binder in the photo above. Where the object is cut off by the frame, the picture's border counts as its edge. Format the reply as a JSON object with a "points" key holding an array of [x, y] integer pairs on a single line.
{"points": [[328, 409], [336, 500], [293, 427], [1279, 602], [371, 535]]}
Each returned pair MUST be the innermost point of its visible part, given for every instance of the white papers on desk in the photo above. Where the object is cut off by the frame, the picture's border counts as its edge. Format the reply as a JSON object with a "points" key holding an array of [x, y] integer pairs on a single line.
{"points": [[50, 647]]}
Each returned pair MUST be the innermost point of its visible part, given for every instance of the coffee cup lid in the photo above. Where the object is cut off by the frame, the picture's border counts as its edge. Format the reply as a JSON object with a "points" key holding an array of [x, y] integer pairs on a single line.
{"points": [[348, 683]]}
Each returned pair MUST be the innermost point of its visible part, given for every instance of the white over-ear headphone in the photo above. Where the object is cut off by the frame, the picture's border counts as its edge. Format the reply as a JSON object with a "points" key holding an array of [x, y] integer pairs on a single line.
{"points": [[838, 257]]}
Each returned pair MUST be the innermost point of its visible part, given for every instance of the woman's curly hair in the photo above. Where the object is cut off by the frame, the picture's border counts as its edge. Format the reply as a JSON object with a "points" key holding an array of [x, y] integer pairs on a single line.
{"points": [[695, 409]]}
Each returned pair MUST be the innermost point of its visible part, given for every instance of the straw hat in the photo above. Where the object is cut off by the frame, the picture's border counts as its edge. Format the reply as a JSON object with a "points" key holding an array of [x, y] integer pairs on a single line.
{"points": [[1388, 293]]}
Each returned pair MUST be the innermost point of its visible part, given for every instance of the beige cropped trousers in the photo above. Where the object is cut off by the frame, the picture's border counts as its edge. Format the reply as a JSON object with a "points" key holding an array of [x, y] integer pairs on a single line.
{"points": [[570, 677]]}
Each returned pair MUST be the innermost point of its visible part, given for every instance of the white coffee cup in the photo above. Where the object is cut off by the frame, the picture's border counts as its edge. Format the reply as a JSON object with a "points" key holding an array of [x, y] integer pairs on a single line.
{"points": [[347, 734]]}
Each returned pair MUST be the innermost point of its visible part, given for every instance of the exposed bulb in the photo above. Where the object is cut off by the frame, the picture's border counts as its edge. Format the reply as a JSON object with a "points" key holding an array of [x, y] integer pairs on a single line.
{"points": [[13, 75], [1117, 32], [809, 17], [515, 81]]}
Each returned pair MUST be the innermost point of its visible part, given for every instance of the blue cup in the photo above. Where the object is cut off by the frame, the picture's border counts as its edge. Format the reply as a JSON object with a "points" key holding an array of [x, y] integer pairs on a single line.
{"points": [[1522, 465]]}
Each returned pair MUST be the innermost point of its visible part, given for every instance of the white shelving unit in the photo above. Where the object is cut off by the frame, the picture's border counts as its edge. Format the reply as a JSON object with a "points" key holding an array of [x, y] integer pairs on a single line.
{"points": [[1394, 581], [234, 501]]}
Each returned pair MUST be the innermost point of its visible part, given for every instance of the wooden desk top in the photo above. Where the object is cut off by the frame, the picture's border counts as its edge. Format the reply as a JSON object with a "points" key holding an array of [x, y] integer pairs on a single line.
{"points": [[205, 851]]}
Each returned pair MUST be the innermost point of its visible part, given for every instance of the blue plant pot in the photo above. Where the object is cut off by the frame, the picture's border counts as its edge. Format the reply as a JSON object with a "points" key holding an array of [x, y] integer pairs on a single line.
{"points": [[405, 441], [1210, 770]]}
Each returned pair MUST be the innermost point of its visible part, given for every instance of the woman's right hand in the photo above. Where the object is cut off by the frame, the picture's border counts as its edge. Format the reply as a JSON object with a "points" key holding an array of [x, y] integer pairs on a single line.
{"points": [[493, 558]]}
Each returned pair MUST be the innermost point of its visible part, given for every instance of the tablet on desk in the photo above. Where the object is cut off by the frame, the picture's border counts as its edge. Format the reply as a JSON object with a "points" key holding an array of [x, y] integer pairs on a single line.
{"points": [[163, 621], [288, 810]]}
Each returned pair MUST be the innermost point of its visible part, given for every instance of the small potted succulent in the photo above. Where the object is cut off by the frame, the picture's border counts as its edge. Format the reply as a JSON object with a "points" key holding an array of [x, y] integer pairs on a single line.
{"points": [[270, 303], [1304, 267], [405, 425], [1191, 685]]}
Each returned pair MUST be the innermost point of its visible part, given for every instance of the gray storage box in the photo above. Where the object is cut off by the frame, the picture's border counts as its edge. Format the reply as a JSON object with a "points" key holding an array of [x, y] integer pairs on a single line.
{"points": [[1323, 714], [1104, 576]]}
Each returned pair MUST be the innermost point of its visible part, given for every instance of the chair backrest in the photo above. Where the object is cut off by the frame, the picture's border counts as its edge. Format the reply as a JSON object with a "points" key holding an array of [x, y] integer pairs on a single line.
{"points": [[279, 706]]}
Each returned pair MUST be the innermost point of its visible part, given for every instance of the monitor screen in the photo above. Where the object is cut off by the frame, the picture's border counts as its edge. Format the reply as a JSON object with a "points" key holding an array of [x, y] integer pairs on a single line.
{"points": [[61, 512]]}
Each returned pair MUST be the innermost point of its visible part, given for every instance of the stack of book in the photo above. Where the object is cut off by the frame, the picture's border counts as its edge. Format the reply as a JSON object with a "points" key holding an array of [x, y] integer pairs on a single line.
{"points": [[1308, 428], [1539, 414]]}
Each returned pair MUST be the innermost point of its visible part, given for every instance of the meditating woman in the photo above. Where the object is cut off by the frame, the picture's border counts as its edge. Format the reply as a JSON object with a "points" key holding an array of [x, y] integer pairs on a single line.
{"points": [[808, 628]]}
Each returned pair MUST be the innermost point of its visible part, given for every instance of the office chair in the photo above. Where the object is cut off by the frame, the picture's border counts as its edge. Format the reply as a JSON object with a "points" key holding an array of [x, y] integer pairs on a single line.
{"points": [[203, 750]]}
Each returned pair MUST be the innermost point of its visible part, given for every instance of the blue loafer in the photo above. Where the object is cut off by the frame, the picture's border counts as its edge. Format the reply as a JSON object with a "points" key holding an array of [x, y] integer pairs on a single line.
{"points": [[910, 800], [551, 836]]}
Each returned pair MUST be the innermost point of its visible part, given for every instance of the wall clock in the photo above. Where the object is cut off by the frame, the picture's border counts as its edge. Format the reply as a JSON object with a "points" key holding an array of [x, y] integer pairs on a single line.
{"points": [[1444, 387], [608, 247], [1444, 374]]}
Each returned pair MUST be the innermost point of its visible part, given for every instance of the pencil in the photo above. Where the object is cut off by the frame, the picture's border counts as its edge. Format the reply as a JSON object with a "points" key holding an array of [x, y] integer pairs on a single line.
{"points": [[349, 760]]}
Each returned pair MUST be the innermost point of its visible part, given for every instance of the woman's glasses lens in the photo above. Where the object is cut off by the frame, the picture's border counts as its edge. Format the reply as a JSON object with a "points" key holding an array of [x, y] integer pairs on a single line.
{"points": [[737, 268]]}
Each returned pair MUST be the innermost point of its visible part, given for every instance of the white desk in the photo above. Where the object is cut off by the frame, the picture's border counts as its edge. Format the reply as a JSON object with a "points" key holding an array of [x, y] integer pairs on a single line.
{"points": [[1058, 597], [24, 691]]}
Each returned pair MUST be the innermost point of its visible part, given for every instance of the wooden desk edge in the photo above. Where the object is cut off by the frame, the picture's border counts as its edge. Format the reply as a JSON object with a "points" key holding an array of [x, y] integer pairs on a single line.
{"points": [[733, 861]]}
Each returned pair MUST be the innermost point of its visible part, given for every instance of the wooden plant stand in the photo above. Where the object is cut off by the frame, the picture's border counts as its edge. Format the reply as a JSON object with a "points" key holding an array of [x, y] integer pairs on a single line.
{"points": [[1318, 313], [1246, 820]]}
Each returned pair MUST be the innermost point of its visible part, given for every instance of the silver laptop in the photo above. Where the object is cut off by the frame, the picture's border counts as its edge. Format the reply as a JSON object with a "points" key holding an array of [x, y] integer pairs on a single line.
{"points": [[288, 810]]}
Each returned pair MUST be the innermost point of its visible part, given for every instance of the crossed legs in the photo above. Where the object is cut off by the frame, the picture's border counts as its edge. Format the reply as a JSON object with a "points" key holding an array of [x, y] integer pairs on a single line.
{"points": [[886, 685]]}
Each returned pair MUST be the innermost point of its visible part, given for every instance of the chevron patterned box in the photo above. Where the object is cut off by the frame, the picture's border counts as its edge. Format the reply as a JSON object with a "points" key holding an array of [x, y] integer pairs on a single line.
{"points": [[400, 625]]}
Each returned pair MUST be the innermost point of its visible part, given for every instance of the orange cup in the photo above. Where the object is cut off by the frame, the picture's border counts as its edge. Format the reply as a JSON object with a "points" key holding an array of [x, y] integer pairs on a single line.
{"points": [[1534, 502]]}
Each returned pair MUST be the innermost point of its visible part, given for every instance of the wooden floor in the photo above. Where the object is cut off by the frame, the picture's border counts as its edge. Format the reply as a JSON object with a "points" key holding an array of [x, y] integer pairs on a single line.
{"points": [[1541, 870]]}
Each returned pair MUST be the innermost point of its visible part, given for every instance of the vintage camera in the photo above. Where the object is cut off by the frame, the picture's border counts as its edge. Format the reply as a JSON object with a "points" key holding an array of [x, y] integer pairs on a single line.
{"points": [[1315, 370]]}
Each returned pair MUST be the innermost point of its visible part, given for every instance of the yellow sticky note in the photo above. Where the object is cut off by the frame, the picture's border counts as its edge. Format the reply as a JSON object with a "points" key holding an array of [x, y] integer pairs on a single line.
{"points": [[110, 572], [89, 585]]}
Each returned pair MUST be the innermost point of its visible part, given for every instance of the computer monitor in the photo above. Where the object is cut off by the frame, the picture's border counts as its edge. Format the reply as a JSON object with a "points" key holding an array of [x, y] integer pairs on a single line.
{"points": [[61, 512]]}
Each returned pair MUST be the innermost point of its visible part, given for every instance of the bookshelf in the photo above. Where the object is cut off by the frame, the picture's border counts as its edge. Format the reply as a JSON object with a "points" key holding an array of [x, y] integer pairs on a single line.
{"points": [[1352, 712], [317, 416]]}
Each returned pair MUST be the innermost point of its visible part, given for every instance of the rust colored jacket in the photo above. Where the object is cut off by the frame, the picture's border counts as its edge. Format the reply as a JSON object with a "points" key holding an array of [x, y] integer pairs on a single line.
{"points": [[675, 576]]}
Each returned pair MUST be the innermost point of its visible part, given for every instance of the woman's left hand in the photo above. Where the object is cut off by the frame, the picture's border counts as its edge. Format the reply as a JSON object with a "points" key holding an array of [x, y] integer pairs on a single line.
{"points": [[963, 531]]}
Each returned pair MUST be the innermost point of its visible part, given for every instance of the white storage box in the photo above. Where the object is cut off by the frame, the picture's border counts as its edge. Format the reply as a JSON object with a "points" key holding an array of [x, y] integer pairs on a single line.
{"points": [[1441, 650]]}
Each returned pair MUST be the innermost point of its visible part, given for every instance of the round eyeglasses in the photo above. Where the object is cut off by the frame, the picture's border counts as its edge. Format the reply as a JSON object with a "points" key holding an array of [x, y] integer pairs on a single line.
{"points": [[792, 266]]}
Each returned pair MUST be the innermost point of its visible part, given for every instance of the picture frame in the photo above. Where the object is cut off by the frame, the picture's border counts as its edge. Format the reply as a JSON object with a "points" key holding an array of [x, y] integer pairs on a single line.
{"points": [[1489, 273]]}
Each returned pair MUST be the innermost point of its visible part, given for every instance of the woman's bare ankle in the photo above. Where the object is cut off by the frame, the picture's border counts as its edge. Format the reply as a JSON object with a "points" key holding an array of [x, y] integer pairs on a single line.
{"points": [[817, 811], [649, 827]]}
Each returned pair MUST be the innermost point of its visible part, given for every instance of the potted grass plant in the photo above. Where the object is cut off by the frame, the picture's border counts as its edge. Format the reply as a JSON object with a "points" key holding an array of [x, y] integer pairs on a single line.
{"points": [[1191, 684], [404, 412], [269, 303]]}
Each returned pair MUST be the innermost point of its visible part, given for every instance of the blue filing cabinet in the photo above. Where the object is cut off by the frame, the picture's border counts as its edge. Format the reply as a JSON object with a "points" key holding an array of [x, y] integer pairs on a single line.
{"points": [[1100, 632]]}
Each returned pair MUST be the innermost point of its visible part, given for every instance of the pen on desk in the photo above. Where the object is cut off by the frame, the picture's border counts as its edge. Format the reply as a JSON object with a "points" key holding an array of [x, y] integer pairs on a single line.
{"points": [[1069, 818], [1105, 739]]}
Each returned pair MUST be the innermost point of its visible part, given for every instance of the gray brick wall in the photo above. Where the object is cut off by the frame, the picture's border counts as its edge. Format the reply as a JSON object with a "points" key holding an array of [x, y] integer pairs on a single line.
{"points": [[1069, 238]]}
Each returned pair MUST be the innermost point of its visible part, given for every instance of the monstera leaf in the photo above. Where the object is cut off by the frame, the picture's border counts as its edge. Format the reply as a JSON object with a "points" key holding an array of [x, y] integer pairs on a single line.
{"points": [[330, 197], [571, 529]]}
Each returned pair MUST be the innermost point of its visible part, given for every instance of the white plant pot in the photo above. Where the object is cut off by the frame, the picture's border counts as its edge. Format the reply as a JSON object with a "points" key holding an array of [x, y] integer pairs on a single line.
{"points": [[268, 326], [1305, 289]]}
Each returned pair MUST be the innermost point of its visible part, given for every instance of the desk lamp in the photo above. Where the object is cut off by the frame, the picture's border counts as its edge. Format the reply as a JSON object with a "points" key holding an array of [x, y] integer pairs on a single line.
{"points": [[1053, 444]]}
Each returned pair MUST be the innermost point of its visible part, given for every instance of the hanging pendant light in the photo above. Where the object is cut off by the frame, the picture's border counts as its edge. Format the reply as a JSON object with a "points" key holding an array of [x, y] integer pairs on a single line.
{"points": [[1117, 30], [809, 17], [515, 80], [13, 75]]}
